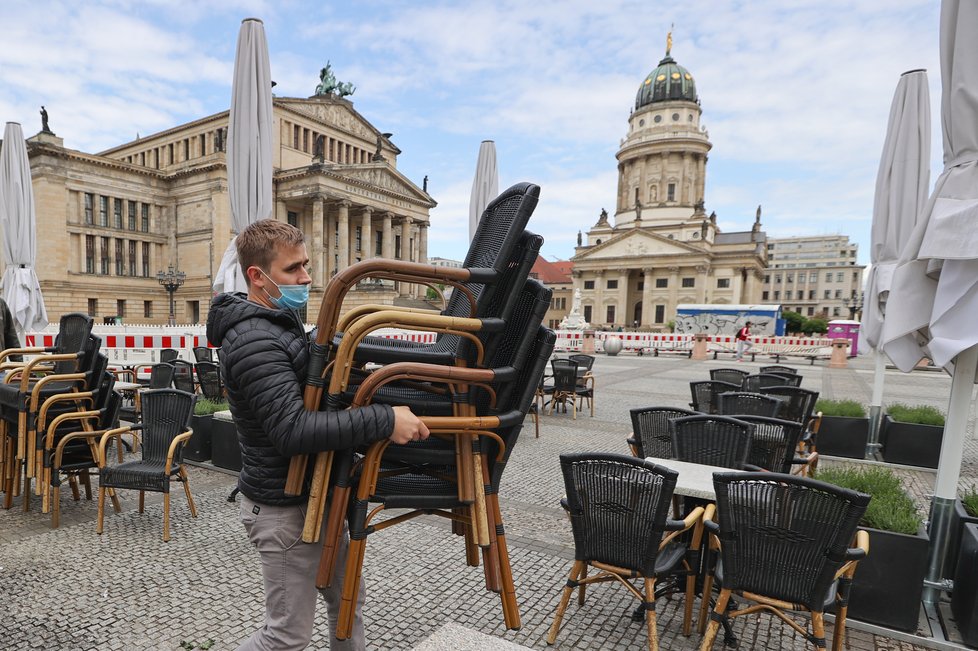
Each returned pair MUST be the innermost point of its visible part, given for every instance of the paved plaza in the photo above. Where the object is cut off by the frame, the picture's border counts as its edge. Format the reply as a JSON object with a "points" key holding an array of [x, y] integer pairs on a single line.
{"points": [[71, 589]]}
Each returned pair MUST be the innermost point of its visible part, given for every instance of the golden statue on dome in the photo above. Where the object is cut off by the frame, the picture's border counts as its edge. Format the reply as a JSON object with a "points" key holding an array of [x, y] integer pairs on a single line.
{"points": [[669, 39]]}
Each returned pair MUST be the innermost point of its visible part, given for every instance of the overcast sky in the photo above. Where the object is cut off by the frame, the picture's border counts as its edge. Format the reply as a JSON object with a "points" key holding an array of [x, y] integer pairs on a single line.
{"points": [[795, 93]]}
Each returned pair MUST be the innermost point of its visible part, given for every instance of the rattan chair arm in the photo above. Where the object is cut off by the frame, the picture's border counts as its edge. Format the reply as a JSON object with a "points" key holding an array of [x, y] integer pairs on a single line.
{"points": [[68, 438], [369, 308], [32, 366], [751, 467], [64, 418], [48, 379], [677, 527], [564, 504], [419, 372], [42, 413], [178, 440], [855, 554], [7, 352], [104, 441]]}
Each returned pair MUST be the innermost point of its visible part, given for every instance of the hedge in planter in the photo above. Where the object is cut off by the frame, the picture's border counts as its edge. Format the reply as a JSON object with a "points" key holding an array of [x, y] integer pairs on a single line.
{"points": [[912, 435], [844, 429], [198, 448], [889, 582]]}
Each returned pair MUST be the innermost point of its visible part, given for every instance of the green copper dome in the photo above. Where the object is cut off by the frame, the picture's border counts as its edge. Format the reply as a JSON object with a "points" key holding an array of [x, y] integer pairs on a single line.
{"points": [[669, 81]]}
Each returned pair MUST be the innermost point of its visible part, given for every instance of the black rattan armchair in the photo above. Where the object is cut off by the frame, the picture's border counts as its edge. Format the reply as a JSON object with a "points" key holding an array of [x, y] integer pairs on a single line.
{"points": [[779, 369], [773, 444], [566, 387], [650, 430], [732, 375], [203, 354], [169, 355], [164, 431], [209, 378], [712, 440], [183, 376], [619, 513], [784, 545], [706, 395], [736, 403], [763, 380]]}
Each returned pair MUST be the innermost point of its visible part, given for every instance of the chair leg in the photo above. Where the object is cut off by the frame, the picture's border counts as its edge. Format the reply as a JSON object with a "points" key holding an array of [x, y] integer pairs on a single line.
{"points": [[351, 588], [711, 630], [101, 508], [839, 632], [511, 609], [471, 549], [73, 483], [577, 571], [166, 516], [142, 500], [186, 489], [334, 529], [650, 619], [55, 506], [86, 478], [818, 630]]}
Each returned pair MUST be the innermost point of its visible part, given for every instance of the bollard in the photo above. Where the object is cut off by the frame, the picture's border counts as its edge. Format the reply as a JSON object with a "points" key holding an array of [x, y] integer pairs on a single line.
{"points": [[840, 354], [699, 346], [587, 342]]}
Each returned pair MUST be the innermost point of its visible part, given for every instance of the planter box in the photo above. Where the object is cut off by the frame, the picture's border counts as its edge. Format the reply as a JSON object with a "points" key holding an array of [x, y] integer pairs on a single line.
{"points": [[842, 436], [959, 518], [887, 588], [911, 444], [225, 451], [198, 448], [964, 599]]}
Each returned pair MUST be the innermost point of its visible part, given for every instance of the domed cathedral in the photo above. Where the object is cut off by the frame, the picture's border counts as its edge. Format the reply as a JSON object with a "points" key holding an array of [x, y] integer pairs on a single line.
{"points": [[663, 248]]}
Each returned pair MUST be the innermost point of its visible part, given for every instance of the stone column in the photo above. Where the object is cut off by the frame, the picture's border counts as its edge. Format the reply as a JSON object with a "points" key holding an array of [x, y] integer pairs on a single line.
{"points": [[673, 292], [622, 314], [387, 239], [702, 277], [281, 211], [423, 242], [701, 176], [600, 312], [318, 254], [366, 234], [343, 226], [648, 311]]}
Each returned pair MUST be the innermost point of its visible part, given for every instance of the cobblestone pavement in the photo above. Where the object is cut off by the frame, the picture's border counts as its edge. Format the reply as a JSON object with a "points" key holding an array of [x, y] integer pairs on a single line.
{"points": [[72, 589]]}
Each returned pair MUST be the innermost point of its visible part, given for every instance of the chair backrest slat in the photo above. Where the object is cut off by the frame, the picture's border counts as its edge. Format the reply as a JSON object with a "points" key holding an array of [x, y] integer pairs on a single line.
{"points": [[731, 375], [774, 442], [166, 413], [712, 440], [706, 395], [736, 403]]}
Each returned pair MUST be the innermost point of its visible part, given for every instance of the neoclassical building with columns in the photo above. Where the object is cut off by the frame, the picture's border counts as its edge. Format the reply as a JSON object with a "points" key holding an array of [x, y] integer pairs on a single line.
{"points": [[663, 248], [108, 222]]}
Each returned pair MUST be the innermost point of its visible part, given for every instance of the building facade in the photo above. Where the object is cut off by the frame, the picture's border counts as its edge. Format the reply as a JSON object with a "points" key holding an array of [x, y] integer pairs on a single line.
{"points": [[663, 249], [108, 222], [815, 276]]}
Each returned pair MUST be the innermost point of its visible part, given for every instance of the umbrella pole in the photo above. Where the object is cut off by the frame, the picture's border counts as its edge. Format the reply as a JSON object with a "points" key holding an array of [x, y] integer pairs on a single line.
{"points": [[876, 406], [949, 470]]}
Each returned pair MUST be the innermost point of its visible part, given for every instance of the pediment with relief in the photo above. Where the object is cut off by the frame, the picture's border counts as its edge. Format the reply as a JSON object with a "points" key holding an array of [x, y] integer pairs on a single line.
{"points": [[383, 178], [334, 114], [637, 244]]}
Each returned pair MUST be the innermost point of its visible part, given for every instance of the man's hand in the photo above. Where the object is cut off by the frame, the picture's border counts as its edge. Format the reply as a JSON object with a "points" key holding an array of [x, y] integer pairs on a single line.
{"points": [[407, 427]]}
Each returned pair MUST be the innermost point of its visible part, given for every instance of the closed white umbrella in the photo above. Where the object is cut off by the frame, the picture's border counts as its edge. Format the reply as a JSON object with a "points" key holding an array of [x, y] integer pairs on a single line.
{"points": [[934, 296], [249, 145], [21, 289], [485, 186], [901, 193]]}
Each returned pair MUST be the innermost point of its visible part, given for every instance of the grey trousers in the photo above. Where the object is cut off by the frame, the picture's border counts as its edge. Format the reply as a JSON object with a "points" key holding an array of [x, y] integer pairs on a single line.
{"points": [[289, 569], [743, 345]]}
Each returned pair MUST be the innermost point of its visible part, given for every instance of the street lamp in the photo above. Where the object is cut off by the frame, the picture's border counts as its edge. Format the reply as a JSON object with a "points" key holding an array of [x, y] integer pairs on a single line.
{"points": [[171, 280], [854, 303]]}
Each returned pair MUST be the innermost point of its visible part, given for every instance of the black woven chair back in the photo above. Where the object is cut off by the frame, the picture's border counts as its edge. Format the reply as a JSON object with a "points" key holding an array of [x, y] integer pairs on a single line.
{"points": [[161, 376], [166, 413], [731, 375], [780, 370], [788, 380], [784, 536], [209, 377], [74, 331], [736, 403], [203, 354], [796, 404], [618, 507], [706, 395], [761, 381], [774, 442], [565, 374], [183, 375], [516, 342], [712, 440], [169, 354], [584, 361], [650, 428]]}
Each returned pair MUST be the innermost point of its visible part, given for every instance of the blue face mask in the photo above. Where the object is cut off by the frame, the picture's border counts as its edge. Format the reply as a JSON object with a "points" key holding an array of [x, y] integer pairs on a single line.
{"points": [[292, 296]]}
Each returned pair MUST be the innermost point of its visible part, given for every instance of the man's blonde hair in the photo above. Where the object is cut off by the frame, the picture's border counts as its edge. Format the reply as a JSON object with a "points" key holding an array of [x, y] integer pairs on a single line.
{"points": [[258, 244]]}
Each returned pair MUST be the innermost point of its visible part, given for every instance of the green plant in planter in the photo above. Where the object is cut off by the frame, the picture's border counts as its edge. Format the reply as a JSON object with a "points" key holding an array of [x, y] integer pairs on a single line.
{"points": [[891, 509], [205, 407], [845, 408], [917, 414], [970, 500]]}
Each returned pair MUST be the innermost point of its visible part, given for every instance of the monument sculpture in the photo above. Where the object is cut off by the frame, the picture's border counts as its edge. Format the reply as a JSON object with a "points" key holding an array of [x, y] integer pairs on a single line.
{"points": [[328, 85], [44, 121], [575, 320]]}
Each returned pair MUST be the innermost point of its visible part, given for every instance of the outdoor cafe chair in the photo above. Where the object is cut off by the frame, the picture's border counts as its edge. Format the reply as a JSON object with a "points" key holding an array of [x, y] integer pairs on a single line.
{"points": [[784, 545], [650, 430], [711, 440], [732, 375], [209, 379], [798, 404], [183, 376], [788, 379], [761, 381], [71, 447], [735, 403], [169, 355], [164, 431], [779, 369], [567, 389], [706, 395], [619, 510], [435, 491], [160, 377], [773, 444], [203, 354]]}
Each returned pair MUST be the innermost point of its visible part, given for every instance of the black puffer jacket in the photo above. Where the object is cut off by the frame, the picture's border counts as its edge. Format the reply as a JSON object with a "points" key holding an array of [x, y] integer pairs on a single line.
{"points": [[263, 355]]}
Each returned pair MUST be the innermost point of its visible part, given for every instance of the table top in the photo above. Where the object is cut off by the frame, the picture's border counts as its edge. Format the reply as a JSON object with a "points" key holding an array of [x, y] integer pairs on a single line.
{"points": [[695, 479], [127, 386]]}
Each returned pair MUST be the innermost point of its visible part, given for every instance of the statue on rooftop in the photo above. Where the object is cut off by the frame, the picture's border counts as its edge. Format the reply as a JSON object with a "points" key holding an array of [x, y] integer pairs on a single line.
{"points": [[44, 121], [425, 188], [328, 85], [578, 238]]}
